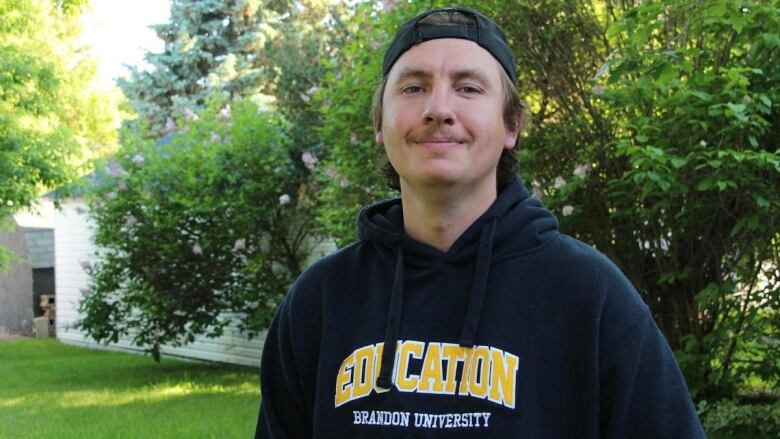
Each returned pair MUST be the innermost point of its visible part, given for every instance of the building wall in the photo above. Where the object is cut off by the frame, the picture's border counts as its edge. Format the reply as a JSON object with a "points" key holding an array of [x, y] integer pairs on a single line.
{"points": [[73, 238], [16, 287]]}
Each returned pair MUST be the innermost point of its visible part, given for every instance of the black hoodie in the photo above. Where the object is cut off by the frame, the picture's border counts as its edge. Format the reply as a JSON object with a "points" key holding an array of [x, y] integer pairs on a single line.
{"points": [[515, 331]]}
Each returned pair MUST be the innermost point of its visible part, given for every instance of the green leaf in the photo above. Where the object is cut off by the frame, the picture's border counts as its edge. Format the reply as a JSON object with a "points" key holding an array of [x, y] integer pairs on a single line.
{"points": [[706, 97], [704, 185], [761, 201], [666, 75], [771, 39], [736, 108], [616, 28], [753, 222], [679, 162]]}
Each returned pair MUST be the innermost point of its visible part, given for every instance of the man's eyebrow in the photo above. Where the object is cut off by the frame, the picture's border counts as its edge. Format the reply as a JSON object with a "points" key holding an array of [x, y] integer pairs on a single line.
{"points": [[410, 73], [476, 74]]}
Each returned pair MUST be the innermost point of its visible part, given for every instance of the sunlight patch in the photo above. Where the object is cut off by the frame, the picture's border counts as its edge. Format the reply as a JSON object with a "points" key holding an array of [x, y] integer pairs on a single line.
{"points": [[107, 398], [11, 402]]}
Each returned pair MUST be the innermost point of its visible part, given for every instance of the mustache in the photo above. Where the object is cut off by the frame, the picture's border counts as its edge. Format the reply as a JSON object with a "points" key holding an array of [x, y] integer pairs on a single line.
{"points": [[433, 135]]}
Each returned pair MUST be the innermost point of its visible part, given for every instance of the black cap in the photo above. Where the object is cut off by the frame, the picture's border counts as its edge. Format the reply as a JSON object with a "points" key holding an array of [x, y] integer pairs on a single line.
{"points": [[486, 33]]}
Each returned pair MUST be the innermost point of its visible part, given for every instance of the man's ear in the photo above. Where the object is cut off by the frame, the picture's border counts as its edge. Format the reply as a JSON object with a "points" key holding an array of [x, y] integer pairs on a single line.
{"points": [[378, 137], [510, 136]]}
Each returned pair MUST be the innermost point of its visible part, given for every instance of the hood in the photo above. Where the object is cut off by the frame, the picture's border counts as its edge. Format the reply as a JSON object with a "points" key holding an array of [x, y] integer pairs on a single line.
{"points": [[515, 223], [522, 225]]}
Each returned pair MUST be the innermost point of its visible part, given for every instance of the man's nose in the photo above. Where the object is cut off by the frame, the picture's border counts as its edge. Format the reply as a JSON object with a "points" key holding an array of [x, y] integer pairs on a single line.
{"points": [[438, 108]]}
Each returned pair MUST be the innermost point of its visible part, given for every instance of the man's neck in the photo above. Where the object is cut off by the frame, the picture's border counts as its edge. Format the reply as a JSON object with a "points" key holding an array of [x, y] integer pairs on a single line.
{"points": [[438, 217]]}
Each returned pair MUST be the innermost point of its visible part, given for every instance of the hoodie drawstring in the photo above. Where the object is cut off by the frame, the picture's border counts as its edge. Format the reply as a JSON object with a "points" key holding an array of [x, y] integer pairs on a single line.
{"points": [[385, 379], [481, 273], [473, 312]]}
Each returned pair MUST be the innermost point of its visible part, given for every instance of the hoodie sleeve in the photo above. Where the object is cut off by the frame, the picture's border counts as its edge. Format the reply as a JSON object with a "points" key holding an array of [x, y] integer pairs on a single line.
{"points": [[643, 392], [283, 409]]}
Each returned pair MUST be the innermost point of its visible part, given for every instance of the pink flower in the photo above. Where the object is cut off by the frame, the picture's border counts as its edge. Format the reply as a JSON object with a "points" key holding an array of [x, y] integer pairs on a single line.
{"points": [[567, 210], [582, 170], [332, 173], [284, 199], [138, 160], [309, 160], [225, 113], [559, 182], [130, 221], [170, 125], [190, 115], [115, 169], [197, 250], [239, 245], [86, 266]]}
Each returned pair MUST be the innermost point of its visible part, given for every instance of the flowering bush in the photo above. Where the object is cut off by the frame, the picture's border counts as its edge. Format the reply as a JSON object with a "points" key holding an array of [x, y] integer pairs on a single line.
{"points": [[205, 227], [653, 137]]}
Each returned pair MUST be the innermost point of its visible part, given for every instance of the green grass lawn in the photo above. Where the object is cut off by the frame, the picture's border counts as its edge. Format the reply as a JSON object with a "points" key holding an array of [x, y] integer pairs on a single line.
{"points": [[52, 390]]}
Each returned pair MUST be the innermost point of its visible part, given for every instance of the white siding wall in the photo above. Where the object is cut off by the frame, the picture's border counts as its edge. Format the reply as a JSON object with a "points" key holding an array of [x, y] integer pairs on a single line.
{"points": [[73, 241]]}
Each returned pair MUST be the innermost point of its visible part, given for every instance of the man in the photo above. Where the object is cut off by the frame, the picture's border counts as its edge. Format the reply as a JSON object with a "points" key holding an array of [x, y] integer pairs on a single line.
{"points": [[462, 312]]}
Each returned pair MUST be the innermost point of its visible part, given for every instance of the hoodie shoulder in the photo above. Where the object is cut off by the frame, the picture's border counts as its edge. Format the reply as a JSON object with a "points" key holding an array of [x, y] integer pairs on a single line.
{"points": [[331, 269], [618, 300]]}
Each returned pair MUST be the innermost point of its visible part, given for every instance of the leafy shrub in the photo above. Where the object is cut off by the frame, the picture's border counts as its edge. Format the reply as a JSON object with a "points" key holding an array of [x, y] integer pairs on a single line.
{"points": [[727, 419], [206, 227], [654, 138]]}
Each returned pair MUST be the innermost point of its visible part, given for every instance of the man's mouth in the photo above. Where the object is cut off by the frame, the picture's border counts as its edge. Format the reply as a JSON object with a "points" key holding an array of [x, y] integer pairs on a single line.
{"points": [[435, 140]]}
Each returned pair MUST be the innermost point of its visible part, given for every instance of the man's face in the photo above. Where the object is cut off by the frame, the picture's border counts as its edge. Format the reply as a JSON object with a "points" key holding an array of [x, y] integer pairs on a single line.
{"points": [[442, 118]]}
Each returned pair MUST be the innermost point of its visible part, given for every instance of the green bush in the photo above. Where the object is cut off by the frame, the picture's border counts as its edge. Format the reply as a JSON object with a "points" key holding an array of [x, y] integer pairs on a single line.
{"points": [[207, 227], [728, 419], [653, 137]]}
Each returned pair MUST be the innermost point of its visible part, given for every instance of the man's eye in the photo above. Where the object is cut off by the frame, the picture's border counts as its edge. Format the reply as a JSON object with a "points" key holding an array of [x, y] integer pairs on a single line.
{"points": [[469, 89], [412, 89]]}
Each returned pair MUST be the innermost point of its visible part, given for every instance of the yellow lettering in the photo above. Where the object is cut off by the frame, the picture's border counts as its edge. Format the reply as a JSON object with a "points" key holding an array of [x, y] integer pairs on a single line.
{"points": [[478, 372], [453, 354], [344, 380], [502, 377], [364, 372], [431, 380], [487, 372], [464, 378], [378, 367], [408, 349]]}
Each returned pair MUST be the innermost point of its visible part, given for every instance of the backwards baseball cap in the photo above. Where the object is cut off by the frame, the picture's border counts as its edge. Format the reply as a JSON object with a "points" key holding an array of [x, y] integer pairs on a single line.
{"points": [[484, 32]]}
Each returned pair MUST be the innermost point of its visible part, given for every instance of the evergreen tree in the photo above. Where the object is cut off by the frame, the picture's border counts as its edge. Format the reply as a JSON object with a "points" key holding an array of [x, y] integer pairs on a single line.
{"points": [[210, 46]]}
